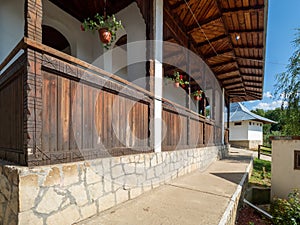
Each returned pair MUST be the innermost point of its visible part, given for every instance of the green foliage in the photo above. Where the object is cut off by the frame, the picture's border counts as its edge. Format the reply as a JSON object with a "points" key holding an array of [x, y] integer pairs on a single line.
{"points": [[287, 211], [288, 88], [261, 174]]}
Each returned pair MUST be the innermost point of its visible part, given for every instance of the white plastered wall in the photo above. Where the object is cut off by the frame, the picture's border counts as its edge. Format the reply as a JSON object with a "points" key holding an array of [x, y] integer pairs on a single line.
{"points": [[11, 25], [238, 132], [255, 132], [284, 177], [84, 45]]}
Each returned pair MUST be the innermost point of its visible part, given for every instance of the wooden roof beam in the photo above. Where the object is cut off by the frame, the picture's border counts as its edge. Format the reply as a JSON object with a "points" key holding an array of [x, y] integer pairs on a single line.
{"points": [[223, 36], [195, 26], [245, 31], [234, 86], [222, 63], [251, 75], [219, 53], [251, 67], [177, 31], [227, 71], [243, 9]]}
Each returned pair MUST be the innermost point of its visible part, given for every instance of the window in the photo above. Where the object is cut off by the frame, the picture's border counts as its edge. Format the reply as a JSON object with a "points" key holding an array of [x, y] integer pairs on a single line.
{"points": [[297, 159], [249, 123], [237, 123]]}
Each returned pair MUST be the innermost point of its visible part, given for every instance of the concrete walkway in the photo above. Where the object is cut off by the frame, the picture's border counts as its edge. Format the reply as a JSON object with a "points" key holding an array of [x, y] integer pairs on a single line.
{"points": [[197, 198]]}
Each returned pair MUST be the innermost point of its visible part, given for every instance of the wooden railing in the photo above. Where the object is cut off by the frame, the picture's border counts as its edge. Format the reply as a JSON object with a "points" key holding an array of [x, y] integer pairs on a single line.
{"points": [[84, 112]]}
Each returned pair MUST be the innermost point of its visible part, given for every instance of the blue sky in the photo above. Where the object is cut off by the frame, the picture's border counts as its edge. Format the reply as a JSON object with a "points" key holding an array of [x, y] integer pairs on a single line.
{"points": [[283, 19]]}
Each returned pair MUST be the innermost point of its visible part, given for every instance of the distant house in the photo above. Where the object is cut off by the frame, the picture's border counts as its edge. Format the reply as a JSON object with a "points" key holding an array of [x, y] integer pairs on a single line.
{"points": [[245, 127]]}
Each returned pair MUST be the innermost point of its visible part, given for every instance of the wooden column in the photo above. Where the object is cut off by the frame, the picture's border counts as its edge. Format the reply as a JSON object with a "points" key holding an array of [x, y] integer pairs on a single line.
{"points": [[158, 72], [33, 82], [222, 116], [188, 69]]}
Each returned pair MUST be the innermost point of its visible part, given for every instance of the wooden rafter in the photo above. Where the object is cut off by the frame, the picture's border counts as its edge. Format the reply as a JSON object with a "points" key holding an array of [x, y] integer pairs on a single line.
{"points": [[195, 26], [244, 9], [206, 42]]}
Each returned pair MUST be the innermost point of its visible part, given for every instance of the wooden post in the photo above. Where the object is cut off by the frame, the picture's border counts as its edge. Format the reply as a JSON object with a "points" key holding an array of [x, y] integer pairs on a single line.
{"points": [[258, 154], [33, 82], [158, 71]]}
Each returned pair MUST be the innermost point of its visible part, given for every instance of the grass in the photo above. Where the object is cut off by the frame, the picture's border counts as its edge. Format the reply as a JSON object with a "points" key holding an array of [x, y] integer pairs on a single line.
{"points": [[261, 174], [265, 150]]}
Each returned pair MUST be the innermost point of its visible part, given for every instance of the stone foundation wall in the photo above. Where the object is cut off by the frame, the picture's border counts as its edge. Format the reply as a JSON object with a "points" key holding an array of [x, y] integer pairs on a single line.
{"points": [[9, 195], [68, 193]]}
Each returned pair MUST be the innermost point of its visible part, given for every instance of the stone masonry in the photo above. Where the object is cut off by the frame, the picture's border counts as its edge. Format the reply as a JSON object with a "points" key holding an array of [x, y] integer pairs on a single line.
{"points": [[64, 194]]}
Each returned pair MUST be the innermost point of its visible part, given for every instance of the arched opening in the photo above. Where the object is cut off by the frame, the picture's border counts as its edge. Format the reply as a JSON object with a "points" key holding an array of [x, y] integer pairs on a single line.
{"points": [[53, 38]]}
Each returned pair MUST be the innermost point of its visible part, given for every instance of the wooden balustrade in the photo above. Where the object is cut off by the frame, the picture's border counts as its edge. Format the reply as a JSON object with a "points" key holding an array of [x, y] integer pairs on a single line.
{"points": [[77, 111]]}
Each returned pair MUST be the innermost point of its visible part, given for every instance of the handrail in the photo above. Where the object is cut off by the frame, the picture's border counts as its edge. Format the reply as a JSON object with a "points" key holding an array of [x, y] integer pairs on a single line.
{"points": [[21, 45], [258, 209]]}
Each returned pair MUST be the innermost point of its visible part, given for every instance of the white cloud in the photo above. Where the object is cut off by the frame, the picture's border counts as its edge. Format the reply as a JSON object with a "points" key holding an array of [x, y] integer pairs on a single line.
{"points": [[268, 94], [270, 105]]}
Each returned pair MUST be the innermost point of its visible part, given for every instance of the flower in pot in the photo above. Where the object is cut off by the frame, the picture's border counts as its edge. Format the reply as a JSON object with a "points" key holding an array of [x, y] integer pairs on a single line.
{"points": [[178, 80], [106, 27], [197, 95]]}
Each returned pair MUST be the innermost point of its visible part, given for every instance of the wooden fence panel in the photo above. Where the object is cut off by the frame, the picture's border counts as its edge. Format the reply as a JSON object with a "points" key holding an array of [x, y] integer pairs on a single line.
{"points": [[196, 133], [12, 112], [79, 118], [174, 129]]}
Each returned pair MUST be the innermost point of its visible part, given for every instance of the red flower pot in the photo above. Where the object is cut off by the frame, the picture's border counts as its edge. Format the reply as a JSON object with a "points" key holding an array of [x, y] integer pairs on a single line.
{"points": [[176, 84], [197, 98], [104, 35]]}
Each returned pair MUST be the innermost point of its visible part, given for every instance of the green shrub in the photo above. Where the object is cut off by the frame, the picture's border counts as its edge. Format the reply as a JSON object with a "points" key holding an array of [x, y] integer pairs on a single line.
{"points": [[287, 211]]}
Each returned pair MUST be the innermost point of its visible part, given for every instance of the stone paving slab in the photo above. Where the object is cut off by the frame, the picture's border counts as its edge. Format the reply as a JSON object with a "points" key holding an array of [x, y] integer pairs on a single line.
{"points": [[196, 198]]}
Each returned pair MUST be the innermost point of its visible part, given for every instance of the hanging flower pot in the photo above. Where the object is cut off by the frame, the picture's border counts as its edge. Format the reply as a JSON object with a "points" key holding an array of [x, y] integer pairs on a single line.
{"points": [[178, 80], [197, 95], [104, 35], [107, 27], [197, 98], [176, 84]]}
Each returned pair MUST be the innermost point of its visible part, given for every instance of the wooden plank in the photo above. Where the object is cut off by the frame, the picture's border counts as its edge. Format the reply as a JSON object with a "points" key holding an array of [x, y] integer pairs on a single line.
{"points": [[87, 106], [99, 118], [122, 124], [63, 123], [51, 105], [45, 116], [76, 116]]}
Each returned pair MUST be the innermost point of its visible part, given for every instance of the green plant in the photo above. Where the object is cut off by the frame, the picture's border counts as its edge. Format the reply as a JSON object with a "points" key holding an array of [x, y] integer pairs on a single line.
{"points": [[287, 211], [178, 79], [98, 22], [198, 93]]}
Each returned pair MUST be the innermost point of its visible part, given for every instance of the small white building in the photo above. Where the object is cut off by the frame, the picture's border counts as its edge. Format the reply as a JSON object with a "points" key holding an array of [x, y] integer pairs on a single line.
{"points": [[245, 127]]}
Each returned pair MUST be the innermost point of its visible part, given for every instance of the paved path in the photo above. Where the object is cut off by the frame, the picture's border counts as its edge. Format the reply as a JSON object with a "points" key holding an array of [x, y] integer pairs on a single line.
{"points": [[196, 198], [254, 153]]}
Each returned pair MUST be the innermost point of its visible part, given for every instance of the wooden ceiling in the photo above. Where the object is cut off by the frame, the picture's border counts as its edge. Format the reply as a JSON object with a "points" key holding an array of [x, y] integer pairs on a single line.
{"points": [[230, 37], [210, 29]]}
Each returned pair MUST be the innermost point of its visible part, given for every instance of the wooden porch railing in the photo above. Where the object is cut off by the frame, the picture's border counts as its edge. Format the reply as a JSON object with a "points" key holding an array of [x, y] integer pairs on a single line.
{"points": [[81, 112]]}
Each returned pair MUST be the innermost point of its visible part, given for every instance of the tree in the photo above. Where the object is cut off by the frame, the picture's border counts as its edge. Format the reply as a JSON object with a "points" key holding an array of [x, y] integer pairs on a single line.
{"points": [[288, 89]]}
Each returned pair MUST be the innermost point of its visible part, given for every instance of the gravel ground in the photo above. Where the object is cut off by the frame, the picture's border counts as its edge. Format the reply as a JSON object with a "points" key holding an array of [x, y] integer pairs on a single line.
{"points": [[248, 215]]}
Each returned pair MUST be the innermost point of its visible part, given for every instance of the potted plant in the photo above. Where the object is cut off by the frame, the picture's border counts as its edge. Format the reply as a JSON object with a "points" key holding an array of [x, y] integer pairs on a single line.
{"points": [[107, 27], [197, 95], [178, 80]]}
